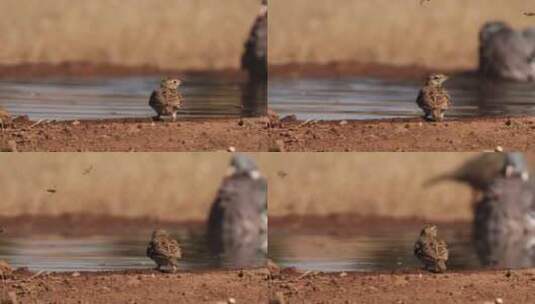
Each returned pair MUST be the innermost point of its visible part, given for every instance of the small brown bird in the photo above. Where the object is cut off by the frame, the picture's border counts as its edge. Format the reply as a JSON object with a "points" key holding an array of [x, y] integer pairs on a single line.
{"points": [[164, 250], [430, 250], [433, 98], [166, 100]]}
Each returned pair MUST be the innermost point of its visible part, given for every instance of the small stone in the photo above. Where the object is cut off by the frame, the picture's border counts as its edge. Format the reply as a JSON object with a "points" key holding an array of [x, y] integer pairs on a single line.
{"points": [[498, 149], [76, 122], [231, 301], [343, 122], [278, 298], [343, 274], [75, 274], [231, 149], [498, 301]]}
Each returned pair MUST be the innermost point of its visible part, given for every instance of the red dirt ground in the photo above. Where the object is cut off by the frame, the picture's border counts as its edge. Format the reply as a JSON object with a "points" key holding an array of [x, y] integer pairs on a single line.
{"points": [[288, 286], [139, 135], [415, 134], [243, 286]]}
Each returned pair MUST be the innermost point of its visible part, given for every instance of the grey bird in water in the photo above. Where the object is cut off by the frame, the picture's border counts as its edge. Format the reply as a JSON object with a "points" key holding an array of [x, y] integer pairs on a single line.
{"points": [[166, 100], [433, 98], [504, 220], [506, 53], [430, 250], [254, 57], [237, 224], [164, 250]]}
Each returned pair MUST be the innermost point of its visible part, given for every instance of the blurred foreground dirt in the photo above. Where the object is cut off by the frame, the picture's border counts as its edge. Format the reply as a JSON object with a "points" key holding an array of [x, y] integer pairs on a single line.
{"points": [[138, 135], [244, 286], [485, 287], [392, 135], [412, 134]]}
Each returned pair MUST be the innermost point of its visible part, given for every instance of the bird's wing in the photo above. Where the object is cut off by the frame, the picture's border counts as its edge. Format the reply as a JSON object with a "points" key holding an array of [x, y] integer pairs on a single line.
{"points": [[420, 100], [238, 208], [438, 179], [438, 97], [168, 247], [441, 249], [219, 206], [426, 251], [156, 99], [174, 99], [480, 170]]}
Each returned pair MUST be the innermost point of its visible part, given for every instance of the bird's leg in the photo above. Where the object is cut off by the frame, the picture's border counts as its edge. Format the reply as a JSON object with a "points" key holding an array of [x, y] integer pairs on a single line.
{"points": [[437, 115], [441, 266]]}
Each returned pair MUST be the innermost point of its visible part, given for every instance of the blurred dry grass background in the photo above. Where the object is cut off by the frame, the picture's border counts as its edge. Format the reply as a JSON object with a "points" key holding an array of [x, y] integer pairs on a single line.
{"points": [[185, 34], [172, 186], [385, 184], [181, 186], [440, 33]]}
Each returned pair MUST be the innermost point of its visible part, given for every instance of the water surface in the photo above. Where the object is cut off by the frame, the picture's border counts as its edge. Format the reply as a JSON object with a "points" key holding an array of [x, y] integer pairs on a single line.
{"points": [[126, 97], [373, 98], [382, 251], [113, 254]]}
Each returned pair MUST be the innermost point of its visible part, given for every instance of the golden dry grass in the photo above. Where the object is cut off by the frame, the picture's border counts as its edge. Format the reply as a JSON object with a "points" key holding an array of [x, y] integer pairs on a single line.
{"points": [[173, 186], [181, 186], [185, 34], [385, 184], [441, 33]]}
